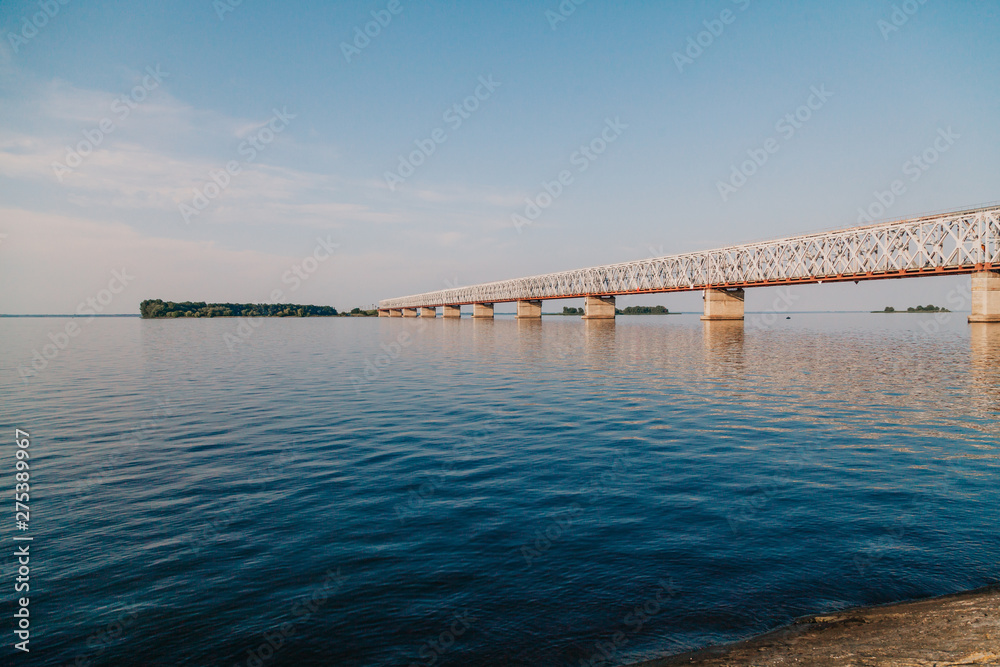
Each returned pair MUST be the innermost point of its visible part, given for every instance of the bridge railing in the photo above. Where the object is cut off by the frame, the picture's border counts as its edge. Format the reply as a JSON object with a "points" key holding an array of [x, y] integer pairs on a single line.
{"points": [[949, 242]]}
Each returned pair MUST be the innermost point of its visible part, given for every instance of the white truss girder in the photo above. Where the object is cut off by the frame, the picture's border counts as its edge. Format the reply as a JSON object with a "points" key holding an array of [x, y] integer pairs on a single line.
{"points": [[957, 242]]}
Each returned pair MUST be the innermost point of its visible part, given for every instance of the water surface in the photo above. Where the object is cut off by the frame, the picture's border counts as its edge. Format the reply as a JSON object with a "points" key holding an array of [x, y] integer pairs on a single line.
{"points": [[396, 492]]}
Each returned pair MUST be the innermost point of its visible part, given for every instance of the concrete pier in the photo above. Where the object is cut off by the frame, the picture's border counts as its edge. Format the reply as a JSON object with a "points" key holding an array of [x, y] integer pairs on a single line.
{"points": [[383, 313], [723, 304], [529, 310], [985, 297], [409, 312], [428, 312], [482, 311], [599, 308], [395, 312], [451, 311]]}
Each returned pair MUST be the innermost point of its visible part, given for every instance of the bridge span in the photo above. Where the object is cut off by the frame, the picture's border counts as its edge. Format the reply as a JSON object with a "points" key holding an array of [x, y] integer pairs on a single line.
{"points": [[957, 242]]}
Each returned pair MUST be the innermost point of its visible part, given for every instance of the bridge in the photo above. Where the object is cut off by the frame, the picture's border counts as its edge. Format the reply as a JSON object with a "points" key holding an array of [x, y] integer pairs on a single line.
{"points": [[956, 242]]}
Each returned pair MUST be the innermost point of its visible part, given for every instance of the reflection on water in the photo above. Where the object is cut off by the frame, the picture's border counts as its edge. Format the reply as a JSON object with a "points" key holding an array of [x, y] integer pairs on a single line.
{"points": [[984, 345], [540, 476], [722, 343], [599, 340]]}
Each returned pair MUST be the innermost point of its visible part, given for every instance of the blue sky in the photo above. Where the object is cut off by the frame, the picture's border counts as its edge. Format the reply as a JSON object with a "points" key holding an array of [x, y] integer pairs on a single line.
{"points": [[228, 79]]}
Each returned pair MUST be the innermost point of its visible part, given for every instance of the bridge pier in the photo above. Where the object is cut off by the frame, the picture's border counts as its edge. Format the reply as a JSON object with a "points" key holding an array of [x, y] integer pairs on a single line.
{"points": [[985, 297], [383, 313], [482, 311], [599, 308], [529, 310], [395, 312], [723, 304], [428, 312], [409, 312], [451, 311]]}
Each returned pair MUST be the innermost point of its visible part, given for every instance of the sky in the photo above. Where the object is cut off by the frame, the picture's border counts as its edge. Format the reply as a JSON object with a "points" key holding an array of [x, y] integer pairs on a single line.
{"points": [[341, 153]]}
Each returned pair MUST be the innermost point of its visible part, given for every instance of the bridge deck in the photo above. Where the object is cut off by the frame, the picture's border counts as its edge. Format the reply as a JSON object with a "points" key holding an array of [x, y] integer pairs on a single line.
{"points": [[957, 242]]}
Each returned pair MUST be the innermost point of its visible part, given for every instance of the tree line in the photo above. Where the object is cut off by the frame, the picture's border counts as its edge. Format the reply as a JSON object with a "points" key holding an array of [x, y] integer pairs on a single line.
{"points": [[157, 308], [630, 310], [929, 308]]}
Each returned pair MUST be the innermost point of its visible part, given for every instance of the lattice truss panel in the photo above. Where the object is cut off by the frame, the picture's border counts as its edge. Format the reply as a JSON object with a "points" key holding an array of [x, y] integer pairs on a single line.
{"points": [[959, 241]]}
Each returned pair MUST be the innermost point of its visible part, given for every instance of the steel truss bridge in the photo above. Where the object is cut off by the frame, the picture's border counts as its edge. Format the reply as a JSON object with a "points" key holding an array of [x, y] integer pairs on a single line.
{"points": [[958, 242]]}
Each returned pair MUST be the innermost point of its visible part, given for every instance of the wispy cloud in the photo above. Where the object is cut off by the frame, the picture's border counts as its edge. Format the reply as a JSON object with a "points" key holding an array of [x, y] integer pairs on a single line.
{"points": [[157, 154], [98, 179]]}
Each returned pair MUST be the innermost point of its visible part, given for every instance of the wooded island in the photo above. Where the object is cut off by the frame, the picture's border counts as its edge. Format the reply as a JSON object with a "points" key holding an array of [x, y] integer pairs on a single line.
{"points": [[158, 309]]}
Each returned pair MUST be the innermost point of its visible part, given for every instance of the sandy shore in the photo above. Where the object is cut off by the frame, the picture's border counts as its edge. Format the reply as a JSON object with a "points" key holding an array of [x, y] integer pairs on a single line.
{"points": [[960, 629]]}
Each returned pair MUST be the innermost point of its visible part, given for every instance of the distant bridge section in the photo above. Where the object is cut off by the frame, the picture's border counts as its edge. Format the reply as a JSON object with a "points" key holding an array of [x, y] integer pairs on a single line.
{"points": [[959, 242]]}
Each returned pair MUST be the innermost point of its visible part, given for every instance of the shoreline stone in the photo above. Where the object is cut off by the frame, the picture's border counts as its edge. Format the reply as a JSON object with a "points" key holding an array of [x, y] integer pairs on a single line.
{"points": [[957, 629]]}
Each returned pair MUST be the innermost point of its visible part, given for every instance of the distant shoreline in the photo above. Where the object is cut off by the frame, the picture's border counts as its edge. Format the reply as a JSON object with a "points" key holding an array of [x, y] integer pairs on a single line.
{"points": [[340, 316], [930, 308], [151, 309]]}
